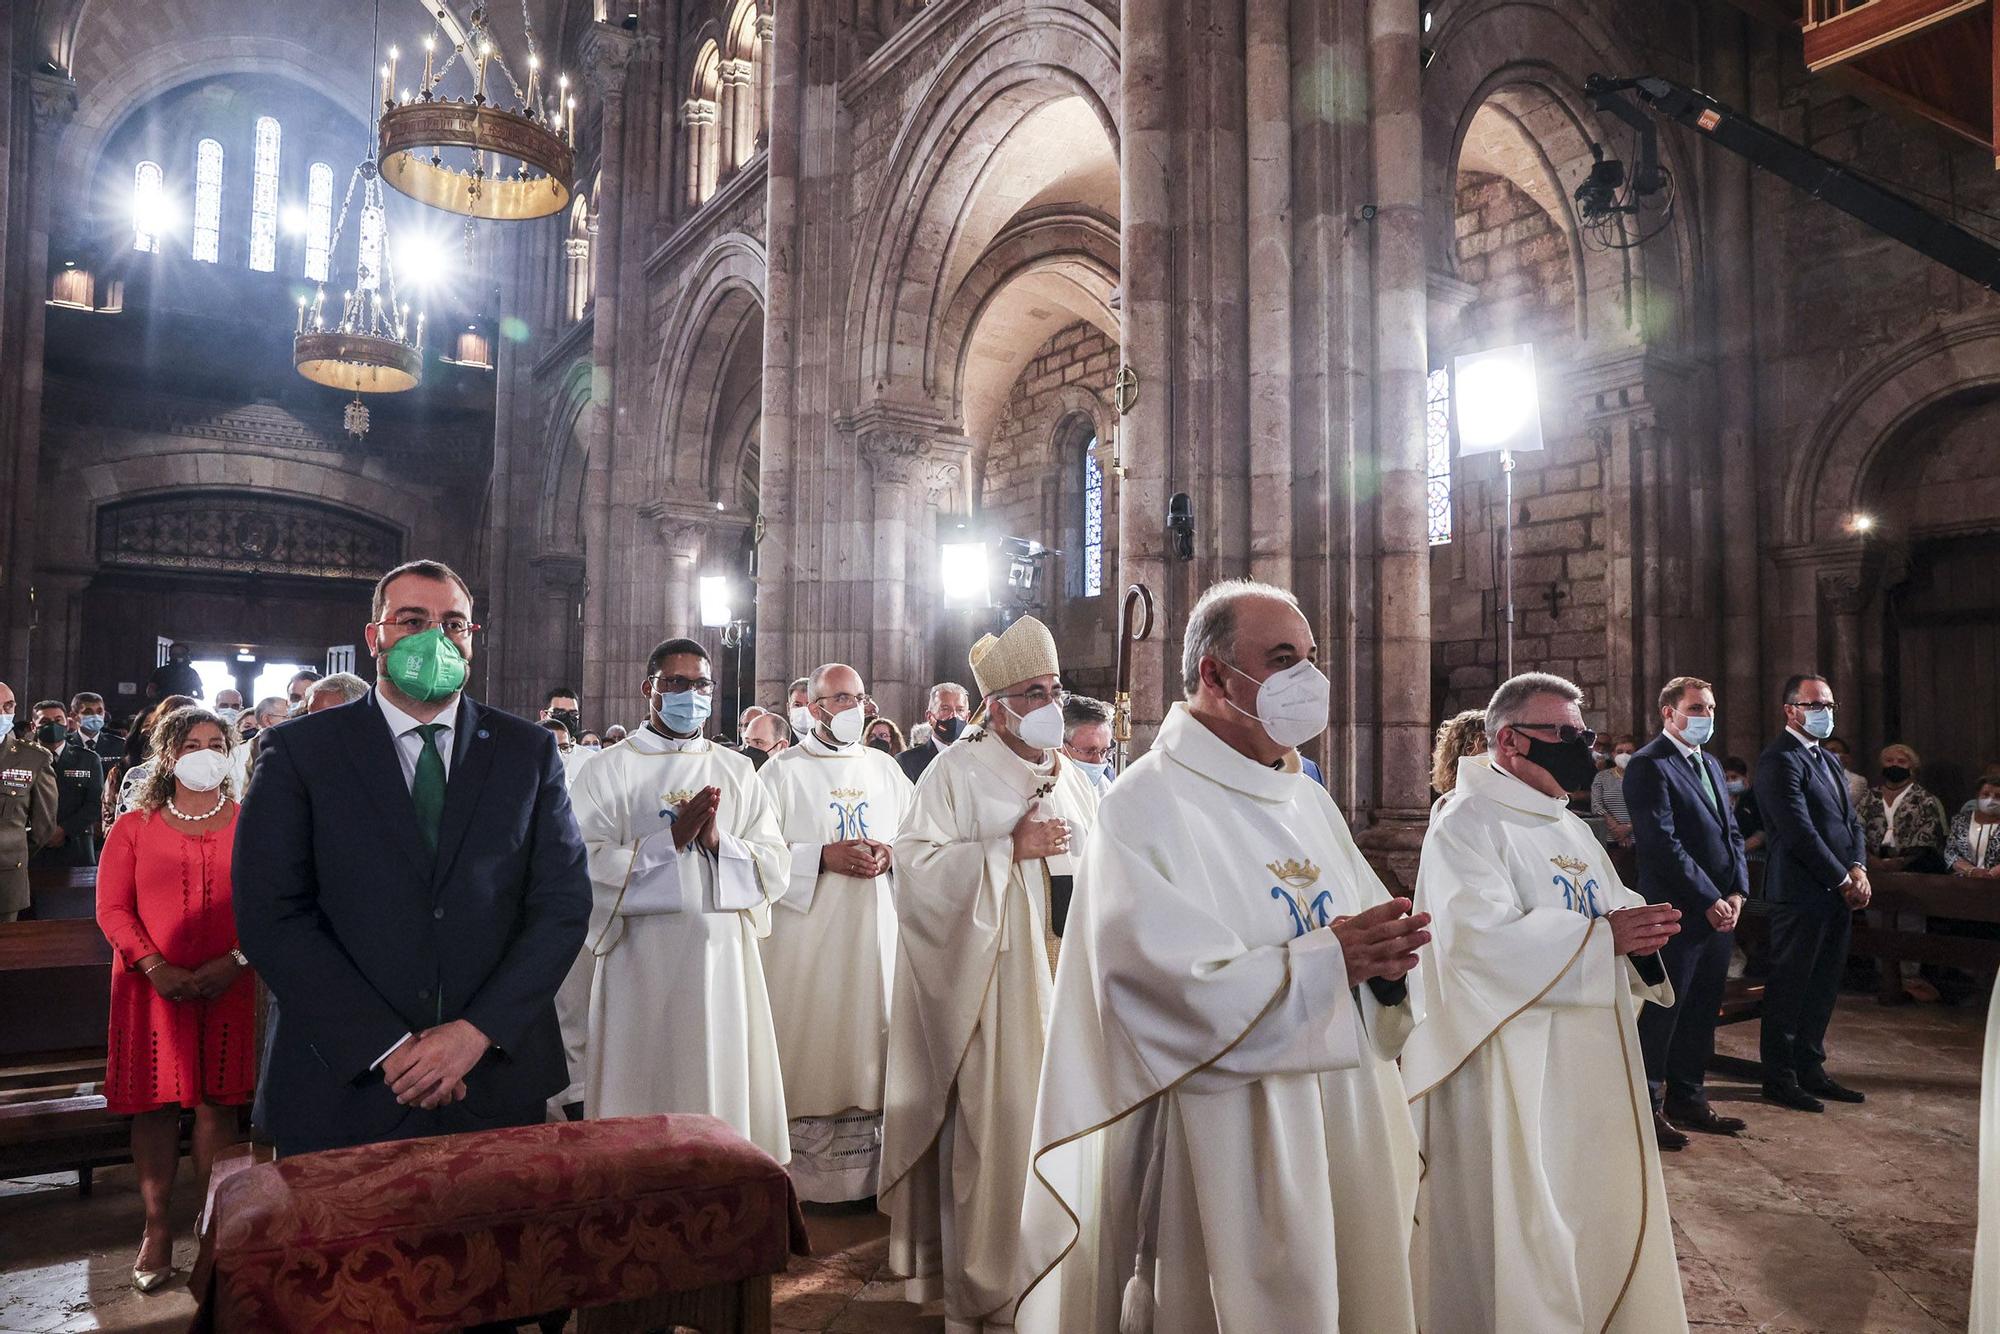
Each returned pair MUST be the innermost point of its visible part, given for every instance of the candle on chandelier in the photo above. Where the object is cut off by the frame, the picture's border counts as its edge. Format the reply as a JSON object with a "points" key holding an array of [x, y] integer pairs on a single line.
{"points": [[420, 328], [534, 74], [562, 95], [430, 48], [394, 55], [302, 316], [388, 93], [485, 53], [569, 132]]}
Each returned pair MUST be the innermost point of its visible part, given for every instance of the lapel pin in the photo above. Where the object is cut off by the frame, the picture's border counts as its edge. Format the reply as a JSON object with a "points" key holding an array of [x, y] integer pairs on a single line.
{"points": [[483, 734]]}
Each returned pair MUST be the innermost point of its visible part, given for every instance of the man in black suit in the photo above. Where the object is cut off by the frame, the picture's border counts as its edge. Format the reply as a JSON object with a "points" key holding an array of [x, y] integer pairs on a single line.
{"points": [[1691, 856], [946, 711], [91, 725], [1814, 880], [409, 882]]}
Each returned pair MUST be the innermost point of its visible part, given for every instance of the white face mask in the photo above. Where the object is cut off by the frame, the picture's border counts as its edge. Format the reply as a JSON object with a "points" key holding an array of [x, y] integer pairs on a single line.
{"points": [[847, 726], [1622, 760], [802, 720], [1040, 728], [1293, 705], [201, 770]]}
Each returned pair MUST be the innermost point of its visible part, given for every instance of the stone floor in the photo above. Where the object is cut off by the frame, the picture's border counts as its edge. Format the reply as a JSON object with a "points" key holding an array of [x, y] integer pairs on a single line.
{"points": [[1858, 1220]]}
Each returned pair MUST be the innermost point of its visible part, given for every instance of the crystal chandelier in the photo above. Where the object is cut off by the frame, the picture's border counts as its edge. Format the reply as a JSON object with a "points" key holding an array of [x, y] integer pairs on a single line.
{"points": [[367, 345], [506, 165]]}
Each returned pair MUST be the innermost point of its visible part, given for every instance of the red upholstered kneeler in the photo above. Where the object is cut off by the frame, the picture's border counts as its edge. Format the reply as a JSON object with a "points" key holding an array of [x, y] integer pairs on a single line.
{"points": [[635, 1223]]}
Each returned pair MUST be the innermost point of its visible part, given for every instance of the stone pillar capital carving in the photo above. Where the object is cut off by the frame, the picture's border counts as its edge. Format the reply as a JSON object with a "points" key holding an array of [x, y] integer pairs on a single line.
{"points": [[606, 51], [1844, 592], [698, 111], [53, 97], [909, 445]]}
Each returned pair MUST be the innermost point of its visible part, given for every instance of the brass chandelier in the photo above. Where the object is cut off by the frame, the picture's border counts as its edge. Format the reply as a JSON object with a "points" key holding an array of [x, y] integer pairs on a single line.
{"points": [[367, 345], [504, 165]]}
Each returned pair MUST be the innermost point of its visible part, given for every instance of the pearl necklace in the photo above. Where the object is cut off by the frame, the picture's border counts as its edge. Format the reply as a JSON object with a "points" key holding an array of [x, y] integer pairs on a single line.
{"points": [[180, 814]]}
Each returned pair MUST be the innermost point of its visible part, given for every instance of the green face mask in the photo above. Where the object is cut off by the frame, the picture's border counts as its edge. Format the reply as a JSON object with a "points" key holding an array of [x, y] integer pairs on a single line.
{"points": [[426, 667]]}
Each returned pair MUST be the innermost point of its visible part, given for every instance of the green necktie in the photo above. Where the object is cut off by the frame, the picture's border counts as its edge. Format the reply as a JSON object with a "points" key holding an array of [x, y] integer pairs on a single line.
{"points": [[1707, 782], [428, 789]]}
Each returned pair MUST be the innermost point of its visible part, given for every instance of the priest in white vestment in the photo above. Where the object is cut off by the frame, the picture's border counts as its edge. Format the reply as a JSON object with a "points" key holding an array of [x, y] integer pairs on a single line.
{"points": [[685, 862], [832, 945], [1541, 1205], [1220, 1108], [1986, 1245], [982, 860]]}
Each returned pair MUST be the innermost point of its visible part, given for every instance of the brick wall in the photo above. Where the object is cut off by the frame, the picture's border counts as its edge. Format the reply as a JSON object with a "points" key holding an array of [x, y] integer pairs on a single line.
{"points": [[1031, 486], [1513, 254]]}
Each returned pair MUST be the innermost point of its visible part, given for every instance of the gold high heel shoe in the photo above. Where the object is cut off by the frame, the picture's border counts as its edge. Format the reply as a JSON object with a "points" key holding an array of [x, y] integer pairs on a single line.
{"points": [[152, 1280]]}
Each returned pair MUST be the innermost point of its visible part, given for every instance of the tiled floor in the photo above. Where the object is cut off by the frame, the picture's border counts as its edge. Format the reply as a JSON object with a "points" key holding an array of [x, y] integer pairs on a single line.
{"points": [[1858, 1220]]}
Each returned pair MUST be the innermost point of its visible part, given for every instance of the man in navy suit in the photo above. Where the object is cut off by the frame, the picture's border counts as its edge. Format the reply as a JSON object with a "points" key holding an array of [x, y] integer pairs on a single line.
{"points": [[1814, 880], [410, 883], [1691, 856]]}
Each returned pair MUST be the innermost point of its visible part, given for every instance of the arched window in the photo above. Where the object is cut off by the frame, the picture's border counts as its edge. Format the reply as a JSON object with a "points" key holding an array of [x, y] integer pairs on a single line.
{"points": [[368, 262], [149, 207], [576, 259], [1093, 519], [264, 197], [1437, 453], [744, 105], [319, 220], [207, 201], [699, 119]]}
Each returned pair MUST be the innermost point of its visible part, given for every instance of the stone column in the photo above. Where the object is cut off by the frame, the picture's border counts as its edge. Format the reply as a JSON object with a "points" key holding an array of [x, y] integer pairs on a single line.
{"points": [[727, 90], [766, 25], [1403, 588], [778, 455], [914, 460], [1268, 115], [681, 539], [606, 51], [1843, 595], [23, 324], [739, 78], [1147, 161], [694, 119]]}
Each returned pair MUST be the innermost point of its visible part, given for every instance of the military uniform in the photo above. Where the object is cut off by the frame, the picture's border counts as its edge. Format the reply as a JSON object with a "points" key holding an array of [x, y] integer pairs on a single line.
{"points": [[79, 807], [27, 814]]}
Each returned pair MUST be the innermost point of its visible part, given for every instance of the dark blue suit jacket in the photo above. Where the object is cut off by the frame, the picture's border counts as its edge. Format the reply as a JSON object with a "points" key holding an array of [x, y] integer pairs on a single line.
{"points": [[364, 936], [1689, 855], [1812, 830]]}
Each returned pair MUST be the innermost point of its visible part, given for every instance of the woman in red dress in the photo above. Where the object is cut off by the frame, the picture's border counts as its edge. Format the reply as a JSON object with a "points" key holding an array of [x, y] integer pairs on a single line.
{"points": [[182, 1000]]}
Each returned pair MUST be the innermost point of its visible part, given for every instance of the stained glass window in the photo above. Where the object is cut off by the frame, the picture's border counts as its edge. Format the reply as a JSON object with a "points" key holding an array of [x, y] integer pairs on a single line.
{"points": [[264, 198], [149, 207], [368, 271], [208, 201], [1437, 453], [319, 220], [1093, 520]]}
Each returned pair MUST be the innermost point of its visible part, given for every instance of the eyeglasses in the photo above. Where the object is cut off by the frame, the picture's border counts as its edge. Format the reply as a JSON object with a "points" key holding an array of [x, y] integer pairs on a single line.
{"points": [[844, 701], [458, 627], [1041, 697], [1563, 731], [1813, 706], [1090, 754], [676, 685]]}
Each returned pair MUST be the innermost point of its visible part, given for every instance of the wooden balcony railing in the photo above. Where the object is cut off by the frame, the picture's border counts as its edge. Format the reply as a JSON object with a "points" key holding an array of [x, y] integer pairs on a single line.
{"points": [[1841, 30]]}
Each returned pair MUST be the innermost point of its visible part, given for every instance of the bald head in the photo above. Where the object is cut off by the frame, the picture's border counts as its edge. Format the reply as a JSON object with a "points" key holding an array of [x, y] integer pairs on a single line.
{"points": [[7, 698], [1240, 634], [767, 732]]}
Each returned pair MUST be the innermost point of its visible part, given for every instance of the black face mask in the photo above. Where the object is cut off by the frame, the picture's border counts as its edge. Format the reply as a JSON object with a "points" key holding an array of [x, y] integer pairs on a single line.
{"points": [[1568, 762], [947, 730], [1895, 773], [570, 718], [883, 744], [51, 734]]}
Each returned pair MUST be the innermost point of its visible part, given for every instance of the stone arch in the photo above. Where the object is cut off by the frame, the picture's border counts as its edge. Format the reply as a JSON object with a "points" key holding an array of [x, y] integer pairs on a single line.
{"points": [[407, 510], [1479, 62], [1058, 258], [938, 207], [560, 525], [1839, 470], [720, 319]]}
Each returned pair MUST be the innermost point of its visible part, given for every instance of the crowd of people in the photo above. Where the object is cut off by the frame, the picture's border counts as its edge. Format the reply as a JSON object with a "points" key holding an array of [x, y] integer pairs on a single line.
{"points": [[1068, 1026]]}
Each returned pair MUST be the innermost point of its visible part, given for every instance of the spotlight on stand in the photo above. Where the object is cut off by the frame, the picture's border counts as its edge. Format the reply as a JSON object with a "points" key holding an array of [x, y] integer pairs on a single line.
{"points": [[963, 574], [1498, 410], [715, 608], [1024, 562]]}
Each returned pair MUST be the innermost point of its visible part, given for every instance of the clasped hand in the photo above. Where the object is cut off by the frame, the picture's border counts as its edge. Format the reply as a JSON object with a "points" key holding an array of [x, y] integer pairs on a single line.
{"points": [[204, 983], [1381, 942], [696, 820], [1856, 889], [429, 1070], [861, 858], [1644, 929], [1036, 839]]}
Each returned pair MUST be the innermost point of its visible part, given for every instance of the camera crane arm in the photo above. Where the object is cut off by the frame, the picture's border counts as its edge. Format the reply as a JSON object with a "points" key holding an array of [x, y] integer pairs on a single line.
{"points": [[1821, 177]]}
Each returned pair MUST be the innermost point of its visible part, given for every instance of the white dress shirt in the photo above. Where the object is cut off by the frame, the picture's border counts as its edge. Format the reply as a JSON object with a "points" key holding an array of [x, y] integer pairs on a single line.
{"points": [[409, 746], [410, 742]]}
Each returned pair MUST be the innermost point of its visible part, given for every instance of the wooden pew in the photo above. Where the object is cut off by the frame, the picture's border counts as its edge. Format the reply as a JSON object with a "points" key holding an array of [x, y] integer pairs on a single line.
{"points": [[1934, 896]]}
